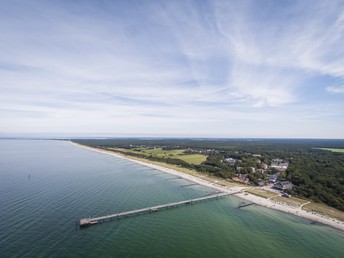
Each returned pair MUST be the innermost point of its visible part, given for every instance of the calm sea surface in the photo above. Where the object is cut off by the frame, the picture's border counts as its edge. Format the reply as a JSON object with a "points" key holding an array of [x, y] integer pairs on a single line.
{"points": [[38, 214]]}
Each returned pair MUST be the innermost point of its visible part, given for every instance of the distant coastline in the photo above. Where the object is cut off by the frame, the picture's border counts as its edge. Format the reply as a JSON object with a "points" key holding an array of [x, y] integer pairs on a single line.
{"points": [[238, 190]]}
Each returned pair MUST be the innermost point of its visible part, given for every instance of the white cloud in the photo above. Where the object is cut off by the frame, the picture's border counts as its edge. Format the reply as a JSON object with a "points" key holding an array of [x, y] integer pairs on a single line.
{"points": [[174, 65], [309, 42], [335, 89]]}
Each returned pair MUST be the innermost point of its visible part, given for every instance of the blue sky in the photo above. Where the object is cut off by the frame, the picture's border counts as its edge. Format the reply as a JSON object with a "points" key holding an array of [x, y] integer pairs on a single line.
{"points": [[173, 68]]}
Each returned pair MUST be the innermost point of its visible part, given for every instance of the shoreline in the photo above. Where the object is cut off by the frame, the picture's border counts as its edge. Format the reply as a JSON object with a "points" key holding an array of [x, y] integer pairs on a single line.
{"points": [[235, 190]]}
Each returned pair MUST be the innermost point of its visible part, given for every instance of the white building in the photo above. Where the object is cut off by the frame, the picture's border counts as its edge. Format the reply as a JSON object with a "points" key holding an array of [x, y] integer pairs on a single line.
{"points": [[279, 164], [283, 185], [231, 161]]}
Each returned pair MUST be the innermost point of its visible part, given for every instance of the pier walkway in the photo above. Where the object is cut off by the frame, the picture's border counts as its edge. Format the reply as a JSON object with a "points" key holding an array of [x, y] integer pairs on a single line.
{"points": [[91, 221]]}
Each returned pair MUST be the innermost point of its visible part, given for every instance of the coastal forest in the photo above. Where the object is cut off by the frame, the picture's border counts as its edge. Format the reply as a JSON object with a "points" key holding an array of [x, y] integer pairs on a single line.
{"points": [[316, 167]]}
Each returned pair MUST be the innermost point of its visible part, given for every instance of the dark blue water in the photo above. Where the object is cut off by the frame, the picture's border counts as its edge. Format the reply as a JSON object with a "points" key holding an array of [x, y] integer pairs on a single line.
{"points": [[38, 213]]}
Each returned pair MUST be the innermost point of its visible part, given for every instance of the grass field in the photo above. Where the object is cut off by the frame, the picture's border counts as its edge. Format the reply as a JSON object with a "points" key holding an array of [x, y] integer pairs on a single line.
{"points": [[297, 202], [174, 154], [205, 176], [193, 158], [325, 210], [293, 201], [261, 193], [332, 149]]}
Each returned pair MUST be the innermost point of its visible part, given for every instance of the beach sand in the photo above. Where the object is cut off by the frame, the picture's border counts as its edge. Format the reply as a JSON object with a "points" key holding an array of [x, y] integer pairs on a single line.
{"points": [[235, 190]]}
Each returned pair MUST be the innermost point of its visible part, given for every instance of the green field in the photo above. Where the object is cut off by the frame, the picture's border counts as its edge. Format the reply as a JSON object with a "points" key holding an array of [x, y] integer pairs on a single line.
{"points": [[262, 193], [325, 210], [292, 201], [332, 149], [174, 154]]}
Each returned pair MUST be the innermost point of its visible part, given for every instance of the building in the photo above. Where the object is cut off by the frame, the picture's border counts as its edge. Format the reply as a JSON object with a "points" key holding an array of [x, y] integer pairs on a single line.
{"points": [[263, 166], [261, 183], [283, 185], [231, 161], [273, 178], [279, 164], [241, 178]]}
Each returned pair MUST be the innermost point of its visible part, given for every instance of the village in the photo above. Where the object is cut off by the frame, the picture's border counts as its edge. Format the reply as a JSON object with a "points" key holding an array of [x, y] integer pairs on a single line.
{"points": [[269, 173], [271, 176], [237, 166], [254, 169]]}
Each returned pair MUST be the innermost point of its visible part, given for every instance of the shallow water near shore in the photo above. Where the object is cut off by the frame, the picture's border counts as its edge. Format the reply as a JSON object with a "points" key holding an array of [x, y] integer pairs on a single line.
{"points": [[45, 186]]}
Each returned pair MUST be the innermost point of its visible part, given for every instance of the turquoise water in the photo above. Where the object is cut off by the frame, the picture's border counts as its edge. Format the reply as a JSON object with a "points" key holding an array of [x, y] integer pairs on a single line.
{"points": [[38, 214]]}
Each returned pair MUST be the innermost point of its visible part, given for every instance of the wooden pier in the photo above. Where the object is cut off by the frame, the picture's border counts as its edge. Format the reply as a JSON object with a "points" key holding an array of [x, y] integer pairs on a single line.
{"points": [[92, 221]]}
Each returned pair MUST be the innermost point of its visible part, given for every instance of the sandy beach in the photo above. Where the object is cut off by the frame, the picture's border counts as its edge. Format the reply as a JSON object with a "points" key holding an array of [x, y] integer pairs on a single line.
{"points": [[235, 190]]}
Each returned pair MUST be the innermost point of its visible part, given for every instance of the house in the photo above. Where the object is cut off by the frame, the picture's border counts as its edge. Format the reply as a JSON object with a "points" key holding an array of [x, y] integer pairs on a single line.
{"points": [[261, 183], [279, 164], [263, 166], [241, 178], [231, 161], [273, 178], [259, 170], [283, 185]]}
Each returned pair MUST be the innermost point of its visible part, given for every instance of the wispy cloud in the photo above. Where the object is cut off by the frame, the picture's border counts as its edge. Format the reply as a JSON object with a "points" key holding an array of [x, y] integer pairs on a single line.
{"points": [[173, 66], [335, 89]]}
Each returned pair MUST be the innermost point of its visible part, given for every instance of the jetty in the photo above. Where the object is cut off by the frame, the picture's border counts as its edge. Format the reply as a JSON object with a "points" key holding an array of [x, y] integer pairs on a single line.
{"points": [[189, 185], [242, 205], [174, 178], [96, 220]]}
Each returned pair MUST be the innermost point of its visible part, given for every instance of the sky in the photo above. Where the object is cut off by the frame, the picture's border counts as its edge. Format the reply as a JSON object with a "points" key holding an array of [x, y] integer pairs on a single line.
{"points": [[266, 69]]}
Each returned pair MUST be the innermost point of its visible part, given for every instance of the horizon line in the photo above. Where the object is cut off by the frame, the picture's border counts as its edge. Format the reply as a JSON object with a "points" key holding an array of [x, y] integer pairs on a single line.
{"points": [[75, 136]]}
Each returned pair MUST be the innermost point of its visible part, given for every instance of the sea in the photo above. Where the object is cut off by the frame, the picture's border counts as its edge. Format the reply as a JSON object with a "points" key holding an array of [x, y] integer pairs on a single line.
{"points": [[46, 186]]}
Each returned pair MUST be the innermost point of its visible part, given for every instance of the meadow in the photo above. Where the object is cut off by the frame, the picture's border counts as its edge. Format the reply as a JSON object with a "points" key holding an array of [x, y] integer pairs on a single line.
{"points": [[332, 149], [194, 159]]}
